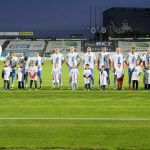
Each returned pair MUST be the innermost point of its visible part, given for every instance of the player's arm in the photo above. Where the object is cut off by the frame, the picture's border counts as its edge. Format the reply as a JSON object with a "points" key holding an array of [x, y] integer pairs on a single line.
{"points": [[3, 72], [78, 60], [126, 60], [110, 62], [62, 59], [42, 62], [98, 61]]}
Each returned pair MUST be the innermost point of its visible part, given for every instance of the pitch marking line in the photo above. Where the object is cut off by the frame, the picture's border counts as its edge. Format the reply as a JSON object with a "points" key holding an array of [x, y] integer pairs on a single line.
{"points": [[86, 119]]}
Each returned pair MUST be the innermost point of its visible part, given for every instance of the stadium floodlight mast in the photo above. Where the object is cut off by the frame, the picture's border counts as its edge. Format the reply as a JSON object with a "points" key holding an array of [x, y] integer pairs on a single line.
{"points": [[94, 29]]}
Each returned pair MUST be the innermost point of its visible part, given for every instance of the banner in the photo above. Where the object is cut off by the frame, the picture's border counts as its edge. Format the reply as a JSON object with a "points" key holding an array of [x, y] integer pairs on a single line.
{"points": [[96, 46], [64, 46], [26, 46], [26, 33], [139, 46]]}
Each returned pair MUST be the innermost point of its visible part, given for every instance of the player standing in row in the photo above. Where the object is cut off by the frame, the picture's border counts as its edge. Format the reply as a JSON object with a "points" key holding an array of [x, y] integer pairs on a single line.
{"points": [[72, 59], [90, 58], [39, 63], [73, 74], [26, 63], [6, 75], [58, 58], [130, 61], [104, 60], [12, 63], [117, 59], [146, 64]]}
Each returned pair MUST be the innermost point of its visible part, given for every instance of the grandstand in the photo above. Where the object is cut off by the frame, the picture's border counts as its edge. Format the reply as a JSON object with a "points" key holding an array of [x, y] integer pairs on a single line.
{"points": [[25, 48]]}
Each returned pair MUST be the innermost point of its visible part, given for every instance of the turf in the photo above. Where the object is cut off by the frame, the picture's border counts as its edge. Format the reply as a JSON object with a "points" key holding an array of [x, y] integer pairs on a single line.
{"points": [[74, 133]]}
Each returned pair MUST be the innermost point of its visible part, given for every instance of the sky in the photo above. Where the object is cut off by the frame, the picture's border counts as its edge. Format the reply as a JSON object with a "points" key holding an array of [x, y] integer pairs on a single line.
{"points": [[56, 15]]}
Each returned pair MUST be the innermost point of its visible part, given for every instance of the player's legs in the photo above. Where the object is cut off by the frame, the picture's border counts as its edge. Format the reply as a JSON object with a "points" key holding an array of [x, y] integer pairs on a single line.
{"points": [[137, 84], [115, 81], [108, 79], [31, 82], [26, 79], [88, 86], [70, 79], [60, 79], [92, 78], [133, 84], [8, 84], [19, 85], [35, 82], [12, 74], [40, 77], [104, 87], [85, 86], [5, 85], [130, 76]]}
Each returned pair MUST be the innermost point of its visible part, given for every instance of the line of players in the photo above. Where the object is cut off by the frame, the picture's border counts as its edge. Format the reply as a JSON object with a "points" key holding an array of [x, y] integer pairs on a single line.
{"points": [[33, 69]]}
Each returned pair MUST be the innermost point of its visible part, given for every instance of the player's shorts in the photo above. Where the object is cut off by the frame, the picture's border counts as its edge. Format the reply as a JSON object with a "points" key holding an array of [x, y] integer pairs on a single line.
{"points": [[39, 73], [129, 72], [70, 68], [13, 73]]}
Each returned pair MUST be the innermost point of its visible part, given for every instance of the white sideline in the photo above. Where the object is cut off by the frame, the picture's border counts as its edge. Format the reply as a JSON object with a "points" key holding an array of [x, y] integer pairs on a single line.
{"points": [[86, 119]]}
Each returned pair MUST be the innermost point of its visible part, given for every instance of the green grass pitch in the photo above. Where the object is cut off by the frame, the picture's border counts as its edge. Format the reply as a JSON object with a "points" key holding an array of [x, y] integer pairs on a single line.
{"points": [[129, 127]]}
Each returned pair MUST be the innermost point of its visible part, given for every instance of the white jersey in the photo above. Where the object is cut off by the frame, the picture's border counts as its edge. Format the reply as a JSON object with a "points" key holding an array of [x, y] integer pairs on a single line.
{"points": [[118, 59], [131, 58], [26, 65], [87, 73], [89, 58], [6, 71], [56, 72], [38, 62], [74, 75], [103, 77], [20, 73], [57, 59], [12, 62], [146, 59], [72, 58], [136, 72], [104, 59], [32, 71], [119, 72]]}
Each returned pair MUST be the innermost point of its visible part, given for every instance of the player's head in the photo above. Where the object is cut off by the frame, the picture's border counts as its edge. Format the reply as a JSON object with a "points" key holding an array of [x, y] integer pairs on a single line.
{"points": [[89, 50], [86, 66], [11, 54], [56, 50], [37, 54], [119, 65], [148, 50], [132, 50], [103, 68], [137, 62], [104, 49], [21, 65], [118, 50], [5, 63], [32, 63], [72, 49], [26, 58]]}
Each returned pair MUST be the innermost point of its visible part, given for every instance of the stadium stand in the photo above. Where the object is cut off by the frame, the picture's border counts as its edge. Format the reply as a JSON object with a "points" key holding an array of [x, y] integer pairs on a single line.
{"points": [[26, 48]]}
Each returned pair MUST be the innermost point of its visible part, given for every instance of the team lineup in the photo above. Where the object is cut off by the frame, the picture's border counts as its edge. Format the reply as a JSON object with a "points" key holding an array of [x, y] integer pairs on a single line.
{"points": [[31, 69]]}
